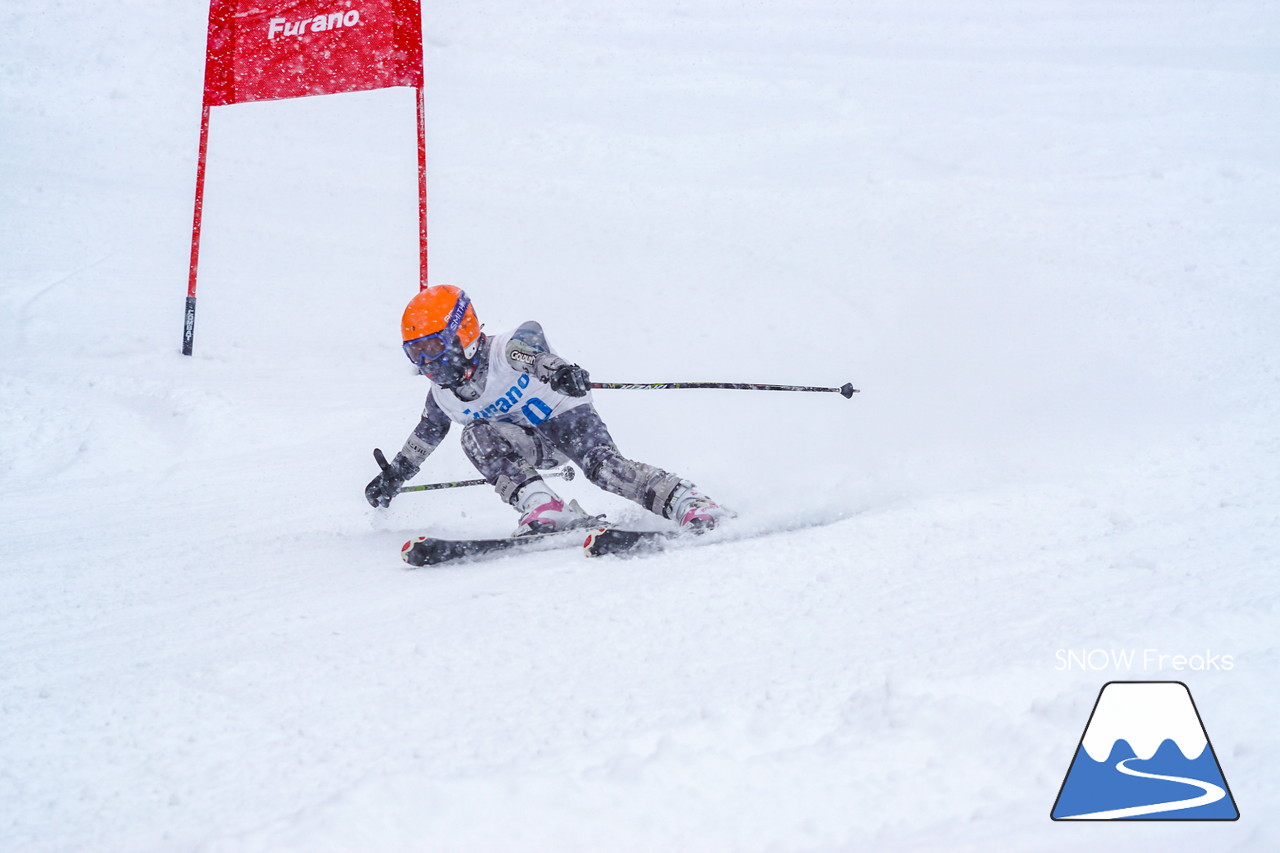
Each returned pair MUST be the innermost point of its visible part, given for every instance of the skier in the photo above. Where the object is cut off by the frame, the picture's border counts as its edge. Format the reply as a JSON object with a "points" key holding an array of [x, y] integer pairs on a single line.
{"points": [[523, 409]]}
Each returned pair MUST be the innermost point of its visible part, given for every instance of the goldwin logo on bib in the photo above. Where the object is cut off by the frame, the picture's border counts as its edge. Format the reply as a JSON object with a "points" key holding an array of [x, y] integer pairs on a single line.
{"points": [[320, 23]]}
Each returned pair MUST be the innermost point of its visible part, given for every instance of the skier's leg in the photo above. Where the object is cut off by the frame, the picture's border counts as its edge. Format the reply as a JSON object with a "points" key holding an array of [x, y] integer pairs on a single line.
{"points": [[509, 456], [582, 435]]}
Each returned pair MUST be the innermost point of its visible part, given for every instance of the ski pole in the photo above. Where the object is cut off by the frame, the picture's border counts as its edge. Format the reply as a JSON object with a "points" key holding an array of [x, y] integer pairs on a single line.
{"points": [[566, 472], [846, 390]]}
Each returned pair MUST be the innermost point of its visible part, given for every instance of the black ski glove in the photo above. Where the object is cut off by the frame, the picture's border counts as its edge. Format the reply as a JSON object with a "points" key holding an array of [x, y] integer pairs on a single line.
{"points": [[385, 486], [570, 379]]}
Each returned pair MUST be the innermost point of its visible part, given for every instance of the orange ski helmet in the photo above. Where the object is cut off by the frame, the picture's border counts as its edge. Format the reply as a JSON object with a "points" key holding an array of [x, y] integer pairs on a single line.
{"points": [[441, 333]]}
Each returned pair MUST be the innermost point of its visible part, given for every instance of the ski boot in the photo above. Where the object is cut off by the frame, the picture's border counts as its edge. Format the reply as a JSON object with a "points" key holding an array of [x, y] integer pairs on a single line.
{"points": [[694, 511], [546, 513]]}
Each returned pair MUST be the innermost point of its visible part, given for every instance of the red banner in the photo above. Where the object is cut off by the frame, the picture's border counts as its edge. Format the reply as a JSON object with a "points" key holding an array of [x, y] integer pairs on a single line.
{"points": [[273, 49], [261, 50]]}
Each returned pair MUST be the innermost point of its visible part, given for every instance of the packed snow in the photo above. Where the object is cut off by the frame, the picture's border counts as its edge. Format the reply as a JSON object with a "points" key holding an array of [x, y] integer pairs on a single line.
{"points": [[1042, 238]]}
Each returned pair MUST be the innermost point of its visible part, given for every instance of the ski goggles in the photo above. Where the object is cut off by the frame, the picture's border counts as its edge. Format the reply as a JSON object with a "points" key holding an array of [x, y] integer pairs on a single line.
{"points": [[430, 347]]}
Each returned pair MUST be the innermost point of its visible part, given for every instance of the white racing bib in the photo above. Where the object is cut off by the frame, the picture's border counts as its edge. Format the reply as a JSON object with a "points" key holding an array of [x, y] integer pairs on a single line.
{"points": [[509, 395]]}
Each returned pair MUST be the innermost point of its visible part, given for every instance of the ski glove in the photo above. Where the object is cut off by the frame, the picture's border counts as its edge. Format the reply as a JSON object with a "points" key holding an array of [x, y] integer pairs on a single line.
{"points": [[570, 379], [385, 486]]}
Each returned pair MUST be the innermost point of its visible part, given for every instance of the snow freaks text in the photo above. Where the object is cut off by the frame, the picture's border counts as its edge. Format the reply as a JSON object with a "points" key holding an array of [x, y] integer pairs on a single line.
{"points": [[1149, 660]]}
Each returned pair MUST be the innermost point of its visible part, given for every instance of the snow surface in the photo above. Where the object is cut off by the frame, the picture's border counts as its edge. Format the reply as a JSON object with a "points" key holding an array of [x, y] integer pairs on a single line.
{"points": [[1042, 237]]}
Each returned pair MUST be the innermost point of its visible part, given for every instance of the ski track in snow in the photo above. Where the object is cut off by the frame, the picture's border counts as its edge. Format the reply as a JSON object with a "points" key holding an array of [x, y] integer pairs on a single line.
{"points": [[1042, 241]]}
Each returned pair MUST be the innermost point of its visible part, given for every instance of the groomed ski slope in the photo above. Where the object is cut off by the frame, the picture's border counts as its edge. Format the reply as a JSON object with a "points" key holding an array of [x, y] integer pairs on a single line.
{"points": [[1042, 238]]}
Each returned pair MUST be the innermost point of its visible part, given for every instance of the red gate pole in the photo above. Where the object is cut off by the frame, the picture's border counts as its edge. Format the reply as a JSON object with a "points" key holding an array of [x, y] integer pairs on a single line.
{"points": [[189, 326], [422, 191]]}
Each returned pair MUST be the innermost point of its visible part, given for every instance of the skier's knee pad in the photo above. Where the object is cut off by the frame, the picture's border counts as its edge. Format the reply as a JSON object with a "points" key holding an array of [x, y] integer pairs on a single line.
{"points": [[503, 453], [484, 444], [645, 484]]}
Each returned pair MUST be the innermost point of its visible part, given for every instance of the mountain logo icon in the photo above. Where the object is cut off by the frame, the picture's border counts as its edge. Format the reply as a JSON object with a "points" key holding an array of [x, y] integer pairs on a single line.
{"points": [[1144, 755]]}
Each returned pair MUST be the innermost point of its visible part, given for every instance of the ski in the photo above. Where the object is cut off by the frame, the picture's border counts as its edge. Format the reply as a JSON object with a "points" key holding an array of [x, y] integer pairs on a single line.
{"points": [[600, 541], [604, 541], [428, 551]]}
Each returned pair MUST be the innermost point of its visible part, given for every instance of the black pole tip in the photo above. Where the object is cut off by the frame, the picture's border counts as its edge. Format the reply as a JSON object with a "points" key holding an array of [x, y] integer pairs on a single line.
{"points": [[847, 390], [568, 473]]}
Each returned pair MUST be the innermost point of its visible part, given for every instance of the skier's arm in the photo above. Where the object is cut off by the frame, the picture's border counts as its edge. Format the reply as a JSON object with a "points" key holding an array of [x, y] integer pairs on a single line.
{"points": [[529, 352], [432, 427]]}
